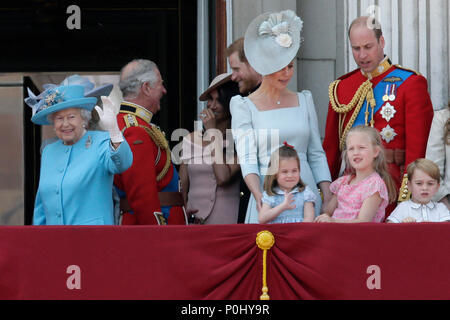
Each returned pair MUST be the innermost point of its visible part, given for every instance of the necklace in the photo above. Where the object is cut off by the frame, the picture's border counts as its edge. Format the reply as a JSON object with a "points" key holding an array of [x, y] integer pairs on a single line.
{"points": [[264, 98]]}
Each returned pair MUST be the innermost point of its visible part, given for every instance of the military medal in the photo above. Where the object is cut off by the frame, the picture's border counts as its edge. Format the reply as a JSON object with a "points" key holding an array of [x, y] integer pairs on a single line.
{"points": [[393, 79], [388, 111], [392, 95], [386, 97], [388, 134]]}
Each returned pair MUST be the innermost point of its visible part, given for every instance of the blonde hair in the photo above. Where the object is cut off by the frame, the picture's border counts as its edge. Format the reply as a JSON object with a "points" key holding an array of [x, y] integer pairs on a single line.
{"points": [[427, 166], [379, 163], [270, 181]]}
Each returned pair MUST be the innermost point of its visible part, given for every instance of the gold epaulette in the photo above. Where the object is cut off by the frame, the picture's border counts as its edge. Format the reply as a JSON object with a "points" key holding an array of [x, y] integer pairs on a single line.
{"points": [[404, 193], [130, 121], [411, 70]]}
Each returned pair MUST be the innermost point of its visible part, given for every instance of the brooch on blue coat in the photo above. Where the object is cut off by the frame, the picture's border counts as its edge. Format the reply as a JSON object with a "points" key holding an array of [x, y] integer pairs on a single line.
{"points": [[88, 142]]}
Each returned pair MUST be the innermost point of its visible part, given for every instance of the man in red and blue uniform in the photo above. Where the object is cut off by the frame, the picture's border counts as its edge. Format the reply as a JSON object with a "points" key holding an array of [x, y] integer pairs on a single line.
{"points": [[149, 189], [401, 108]]}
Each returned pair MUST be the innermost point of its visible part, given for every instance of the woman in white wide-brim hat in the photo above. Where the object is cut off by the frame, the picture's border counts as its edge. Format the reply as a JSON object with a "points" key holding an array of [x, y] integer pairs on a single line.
{"points": [[273, 114], [77, 171]]}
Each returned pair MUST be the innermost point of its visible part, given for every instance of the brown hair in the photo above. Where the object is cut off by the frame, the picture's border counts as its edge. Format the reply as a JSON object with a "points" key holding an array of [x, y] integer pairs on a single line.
{"points": [[427, 166], [379, 164], [270, 181], [364, 22], [237, 45]]}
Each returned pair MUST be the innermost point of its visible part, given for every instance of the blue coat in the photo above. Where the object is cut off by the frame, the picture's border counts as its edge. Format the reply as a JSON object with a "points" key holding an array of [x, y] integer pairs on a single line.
{"points": [[76, 181]]}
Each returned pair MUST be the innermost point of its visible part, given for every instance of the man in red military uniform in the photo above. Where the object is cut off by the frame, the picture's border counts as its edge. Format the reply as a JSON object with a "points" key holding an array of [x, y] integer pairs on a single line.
{"points": [[388, 97], [149, 188]]}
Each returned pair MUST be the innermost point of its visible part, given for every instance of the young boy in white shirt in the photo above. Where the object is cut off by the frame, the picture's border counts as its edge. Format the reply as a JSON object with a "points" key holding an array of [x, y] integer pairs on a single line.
{"points": [[423, 181]]}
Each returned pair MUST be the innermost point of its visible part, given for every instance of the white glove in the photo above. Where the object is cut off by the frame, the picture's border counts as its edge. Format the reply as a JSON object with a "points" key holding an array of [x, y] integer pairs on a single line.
{"points": [[108, 120]]}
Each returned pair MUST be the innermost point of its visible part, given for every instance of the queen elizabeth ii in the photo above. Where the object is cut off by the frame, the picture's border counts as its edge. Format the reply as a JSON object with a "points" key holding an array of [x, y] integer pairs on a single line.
{"points": [[76, 176]]}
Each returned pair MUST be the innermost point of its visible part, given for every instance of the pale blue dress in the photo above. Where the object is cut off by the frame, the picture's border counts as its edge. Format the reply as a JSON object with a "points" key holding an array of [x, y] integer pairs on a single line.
{"points": [[290, 215], [75, 185], [258, 133]]}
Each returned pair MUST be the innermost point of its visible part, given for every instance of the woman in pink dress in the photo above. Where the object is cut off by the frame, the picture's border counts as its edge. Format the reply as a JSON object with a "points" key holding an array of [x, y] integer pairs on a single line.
{"points": [[209, 176]]}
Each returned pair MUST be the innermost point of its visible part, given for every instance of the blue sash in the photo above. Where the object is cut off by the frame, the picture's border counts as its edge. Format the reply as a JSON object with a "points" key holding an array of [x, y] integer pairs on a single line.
{"points": [[378, 93], [173, 186]]}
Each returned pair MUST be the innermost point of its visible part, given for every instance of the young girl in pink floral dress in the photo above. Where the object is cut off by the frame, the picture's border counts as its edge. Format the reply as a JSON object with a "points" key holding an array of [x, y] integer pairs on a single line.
{"points": [[363, 194]]}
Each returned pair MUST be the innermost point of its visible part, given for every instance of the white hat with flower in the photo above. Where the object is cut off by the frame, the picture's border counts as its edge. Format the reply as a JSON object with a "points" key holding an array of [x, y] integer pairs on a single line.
{"points": [[272, 41]]}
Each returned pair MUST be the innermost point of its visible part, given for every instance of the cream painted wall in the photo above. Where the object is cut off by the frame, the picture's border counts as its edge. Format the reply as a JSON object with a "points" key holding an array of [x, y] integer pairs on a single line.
{"points": [[417, 37], [318, 54]]}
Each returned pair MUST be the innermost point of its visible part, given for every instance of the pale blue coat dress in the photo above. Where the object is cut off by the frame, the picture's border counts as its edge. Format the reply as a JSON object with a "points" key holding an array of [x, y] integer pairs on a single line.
{"points": [[290, 215], [259, 133], [75, 186]]}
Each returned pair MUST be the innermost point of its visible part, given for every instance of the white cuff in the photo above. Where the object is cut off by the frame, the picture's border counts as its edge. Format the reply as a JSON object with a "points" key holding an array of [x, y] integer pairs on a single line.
{"points": [[116, 136]]}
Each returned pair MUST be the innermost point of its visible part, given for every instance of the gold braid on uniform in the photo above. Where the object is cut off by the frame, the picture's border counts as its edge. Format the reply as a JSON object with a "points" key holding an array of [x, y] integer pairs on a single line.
{"points": [[364, 91], [158, 137], [404, 193]]}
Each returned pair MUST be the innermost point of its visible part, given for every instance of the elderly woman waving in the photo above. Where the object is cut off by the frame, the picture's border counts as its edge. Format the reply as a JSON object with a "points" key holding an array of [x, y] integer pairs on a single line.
{"points": [[77, 170]]}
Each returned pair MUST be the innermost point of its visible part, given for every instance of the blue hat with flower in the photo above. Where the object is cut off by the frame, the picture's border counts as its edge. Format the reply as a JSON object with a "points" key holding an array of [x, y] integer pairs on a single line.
{"points": [[73, 92], [57, 99], [272, 41], [89, 87]]}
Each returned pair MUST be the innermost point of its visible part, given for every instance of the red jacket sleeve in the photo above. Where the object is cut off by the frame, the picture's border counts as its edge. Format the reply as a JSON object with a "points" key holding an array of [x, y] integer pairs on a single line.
{"points": [[331, 142], [418, 117], [139, 181]]}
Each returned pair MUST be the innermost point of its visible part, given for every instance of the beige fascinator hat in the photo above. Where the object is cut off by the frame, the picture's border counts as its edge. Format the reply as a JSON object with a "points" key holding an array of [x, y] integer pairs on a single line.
{"points": [[272, 41], [217, 82]]}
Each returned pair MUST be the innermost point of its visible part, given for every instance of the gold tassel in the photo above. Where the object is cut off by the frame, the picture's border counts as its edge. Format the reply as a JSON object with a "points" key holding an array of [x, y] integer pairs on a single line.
{"points": [[265, 240]]}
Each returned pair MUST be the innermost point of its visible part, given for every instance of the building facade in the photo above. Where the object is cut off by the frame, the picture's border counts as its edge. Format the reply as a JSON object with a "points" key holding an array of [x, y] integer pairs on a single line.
{"points": [[417, 34]]}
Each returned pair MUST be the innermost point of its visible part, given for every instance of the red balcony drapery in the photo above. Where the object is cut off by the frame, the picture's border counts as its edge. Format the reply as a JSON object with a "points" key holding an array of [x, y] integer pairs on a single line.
{"points": [[307, 261]]}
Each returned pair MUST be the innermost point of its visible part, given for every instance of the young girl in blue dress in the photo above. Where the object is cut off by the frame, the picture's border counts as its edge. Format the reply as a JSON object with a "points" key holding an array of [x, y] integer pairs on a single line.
{"points": [[286, 198]]}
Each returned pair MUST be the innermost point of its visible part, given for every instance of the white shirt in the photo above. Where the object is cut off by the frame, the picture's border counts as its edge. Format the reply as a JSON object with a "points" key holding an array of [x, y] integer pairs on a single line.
{"points": [[430, 212]]}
